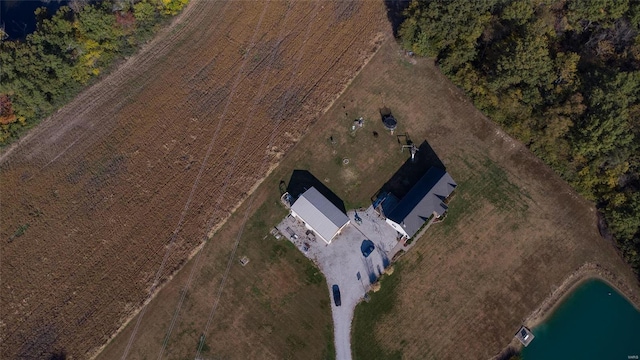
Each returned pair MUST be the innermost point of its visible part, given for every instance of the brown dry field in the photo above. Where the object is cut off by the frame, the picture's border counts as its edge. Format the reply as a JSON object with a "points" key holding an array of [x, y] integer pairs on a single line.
{"points": [[129, 178]]}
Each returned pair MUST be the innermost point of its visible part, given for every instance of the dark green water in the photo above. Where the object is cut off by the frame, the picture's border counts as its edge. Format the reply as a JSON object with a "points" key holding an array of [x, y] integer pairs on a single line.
{"points": [[18, 16], [594, 322]]}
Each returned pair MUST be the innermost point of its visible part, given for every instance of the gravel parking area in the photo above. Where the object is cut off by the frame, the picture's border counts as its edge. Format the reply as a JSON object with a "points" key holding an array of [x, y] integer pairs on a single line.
{"points": [[342, 262], [376, 229]]}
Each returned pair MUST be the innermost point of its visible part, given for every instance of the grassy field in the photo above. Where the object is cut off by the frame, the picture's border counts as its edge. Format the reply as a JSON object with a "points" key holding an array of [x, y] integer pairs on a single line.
{"points": [[277, 306], [514, 231], [370, 313]]}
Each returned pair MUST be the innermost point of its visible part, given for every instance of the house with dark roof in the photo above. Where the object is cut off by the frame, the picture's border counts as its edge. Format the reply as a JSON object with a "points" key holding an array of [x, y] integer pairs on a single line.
{"points": [[424, 202], [319, 214]]}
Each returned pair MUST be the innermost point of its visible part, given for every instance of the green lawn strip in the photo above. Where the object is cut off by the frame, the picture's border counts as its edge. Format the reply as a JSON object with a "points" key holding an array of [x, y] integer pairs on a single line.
{"points": [[364, 344], [485, 181], [329, 352]]}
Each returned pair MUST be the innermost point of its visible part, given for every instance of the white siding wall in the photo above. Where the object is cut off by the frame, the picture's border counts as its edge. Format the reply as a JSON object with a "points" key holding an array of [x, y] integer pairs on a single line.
{"points": [[396, 226]]}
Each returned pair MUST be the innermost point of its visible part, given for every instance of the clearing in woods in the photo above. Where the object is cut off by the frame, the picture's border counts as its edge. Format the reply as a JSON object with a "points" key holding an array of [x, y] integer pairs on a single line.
{"points": [[109, 197], [514, 232]]}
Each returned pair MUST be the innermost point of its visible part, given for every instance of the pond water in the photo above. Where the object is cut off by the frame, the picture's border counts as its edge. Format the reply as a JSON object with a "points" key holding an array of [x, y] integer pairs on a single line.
{"points": [[594, 322], [18, 16]]}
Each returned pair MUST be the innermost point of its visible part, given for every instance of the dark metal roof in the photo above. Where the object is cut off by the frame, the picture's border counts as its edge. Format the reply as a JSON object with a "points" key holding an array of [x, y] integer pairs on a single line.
{"points": [[423, 200], [389, 203]]}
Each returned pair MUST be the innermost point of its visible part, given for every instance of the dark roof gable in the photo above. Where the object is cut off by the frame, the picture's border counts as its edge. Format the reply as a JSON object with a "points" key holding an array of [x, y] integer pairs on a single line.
{"points": [[425, 198]]}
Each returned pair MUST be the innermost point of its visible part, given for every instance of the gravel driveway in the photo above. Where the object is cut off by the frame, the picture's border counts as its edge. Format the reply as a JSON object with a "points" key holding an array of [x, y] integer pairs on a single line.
{"points": [[343, 264]]}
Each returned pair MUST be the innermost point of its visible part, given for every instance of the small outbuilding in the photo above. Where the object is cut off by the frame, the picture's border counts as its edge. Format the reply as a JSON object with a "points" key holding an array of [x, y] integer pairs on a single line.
{"points": [[319, 214], [524, 335]]}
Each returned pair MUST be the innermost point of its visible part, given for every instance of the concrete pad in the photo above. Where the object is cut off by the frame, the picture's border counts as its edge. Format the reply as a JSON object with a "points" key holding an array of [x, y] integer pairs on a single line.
{"points": [[374, 227]]}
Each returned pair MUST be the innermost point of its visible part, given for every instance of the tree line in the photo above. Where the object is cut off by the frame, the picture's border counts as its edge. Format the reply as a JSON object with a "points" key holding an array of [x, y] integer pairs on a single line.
{"points": [[562, 76], [66, 52]]}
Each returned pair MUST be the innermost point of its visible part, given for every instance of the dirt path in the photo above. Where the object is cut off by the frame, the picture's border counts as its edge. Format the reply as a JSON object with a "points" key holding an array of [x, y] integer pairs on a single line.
{"points": [[109, 186], [70, 116]]}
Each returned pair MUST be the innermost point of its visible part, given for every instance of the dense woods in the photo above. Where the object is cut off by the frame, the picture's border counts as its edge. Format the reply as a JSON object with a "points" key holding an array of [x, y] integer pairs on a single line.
{"points": [[68, 50], [561, 76]]}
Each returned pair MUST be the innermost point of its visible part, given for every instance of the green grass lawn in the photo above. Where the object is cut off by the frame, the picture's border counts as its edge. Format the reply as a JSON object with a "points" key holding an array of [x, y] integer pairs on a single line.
{"points": [[483, 180], [367, 314]]}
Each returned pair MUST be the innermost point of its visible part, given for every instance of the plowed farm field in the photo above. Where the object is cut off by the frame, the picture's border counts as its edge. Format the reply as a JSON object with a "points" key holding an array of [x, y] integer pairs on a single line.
{"points": [[109, 197]]}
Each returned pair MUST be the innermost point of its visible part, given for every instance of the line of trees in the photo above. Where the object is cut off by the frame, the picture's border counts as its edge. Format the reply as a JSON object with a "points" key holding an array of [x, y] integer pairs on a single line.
{"points": [[68, 50], [560, 75]]}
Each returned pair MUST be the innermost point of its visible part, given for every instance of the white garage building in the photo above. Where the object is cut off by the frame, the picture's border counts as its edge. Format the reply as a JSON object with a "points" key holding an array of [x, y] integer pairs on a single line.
{"points": [[319, 215]]}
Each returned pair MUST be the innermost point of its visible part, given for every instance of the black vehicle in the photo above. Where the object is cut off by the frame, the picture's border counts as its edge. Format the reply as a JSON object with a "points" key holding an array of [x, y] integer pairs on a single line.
{"points": [[336, 295], [367, 247]]}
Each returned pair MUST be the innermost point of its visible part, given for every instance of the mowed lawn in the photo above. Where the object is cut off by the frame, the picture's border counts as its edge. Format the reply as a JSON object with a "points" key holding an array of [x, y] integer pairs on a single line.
{"points": [[514, 231]]}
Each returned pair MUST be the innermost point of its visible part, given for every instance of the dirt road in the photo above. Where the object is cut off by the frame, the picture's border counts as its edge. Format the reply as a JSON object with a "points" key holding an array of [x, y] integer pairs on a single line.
{"points": [[109, 197]]}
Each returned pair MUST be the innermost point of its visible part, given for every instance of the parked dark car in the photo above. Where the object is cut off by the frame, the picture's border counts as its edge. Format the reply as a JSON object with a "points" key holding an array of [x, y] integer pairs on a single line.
{"points": [[336, 295], [367, 247]]}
